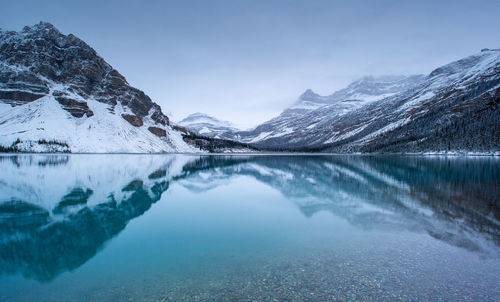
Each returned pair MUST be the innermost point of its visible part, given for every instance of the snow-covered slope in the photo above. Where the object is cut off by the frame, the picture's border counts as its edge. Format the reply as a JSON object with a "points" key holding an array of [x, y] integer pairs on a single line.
{"points": [[453, 109], [207, 125], [362, 91], [354, 96], [58, 95], [45, 119]]}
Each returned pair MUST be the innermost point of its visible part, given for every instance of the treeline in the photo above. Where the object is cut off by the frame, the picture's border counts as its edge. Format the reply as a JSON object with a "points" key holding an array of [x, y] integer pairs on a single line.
{"points": [[14, 147], [214, 145], [476, 130]]}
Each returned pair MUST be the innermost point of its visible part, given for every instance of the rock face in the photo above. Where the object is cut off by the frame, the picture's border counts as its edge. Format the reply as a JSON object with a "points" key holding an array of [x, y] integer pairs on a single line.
{"points": [[18, 97], [43, 51], [453, 109], [56, 87]]}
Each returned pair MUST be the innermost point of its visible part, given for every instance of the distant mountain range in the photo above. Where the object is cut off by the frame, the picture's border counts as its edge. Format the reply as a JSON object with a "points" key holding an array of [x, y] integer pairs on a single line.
{"points": [[58, 95], [453, 109], [296, 119], [207, 125]]}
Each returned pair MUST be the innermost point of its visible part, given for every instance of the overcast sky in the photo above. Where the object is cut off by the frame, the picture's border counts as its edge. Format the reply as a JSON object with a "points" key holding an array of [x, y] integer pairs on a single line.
{"points": [[244, 61]]}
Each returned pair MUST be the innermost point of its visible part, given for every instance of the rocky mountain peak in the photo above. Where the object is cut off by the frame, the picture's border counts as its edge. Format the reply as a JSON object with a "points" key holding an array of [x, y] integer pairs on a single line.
{"points": [[308, 95], [42, 50], [42, 29], [42, 25]]}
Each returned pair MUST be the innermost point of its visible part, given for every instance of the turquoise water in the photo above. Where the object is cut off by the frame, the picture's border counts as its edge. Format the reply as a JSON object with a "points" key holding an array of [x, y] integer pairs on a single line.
{"points": [[249, 228]]}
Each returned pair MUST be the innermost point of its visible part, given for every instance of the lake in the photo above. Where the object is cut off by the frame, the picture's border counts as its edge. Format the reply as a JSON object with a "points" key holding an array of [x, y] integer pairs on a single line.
{"points": [[249, 228]]}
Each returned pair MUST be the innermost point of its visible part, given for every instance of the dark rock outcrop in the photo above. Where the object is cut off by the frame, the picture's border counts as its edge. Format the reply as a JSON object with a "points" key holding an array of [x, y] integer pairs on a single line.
{"points": [[19, 97], [180, 128], [134, 120], [77, 109], [157, 131]]}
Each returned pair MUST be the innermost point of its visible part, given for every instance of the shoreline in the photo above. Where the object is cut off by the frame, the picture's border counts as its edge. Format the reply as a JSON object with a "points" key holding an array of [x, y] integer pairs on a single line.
{"points": [[472, 154]]}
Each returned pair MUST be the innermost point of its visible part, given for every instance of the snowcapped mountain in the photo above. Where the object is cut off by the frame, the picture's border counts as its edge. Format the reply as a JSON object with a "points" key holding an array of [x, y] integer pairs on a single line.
{"points": [[453, 109], [58, 94], [354, 96], [360, 92], [207, 125]]}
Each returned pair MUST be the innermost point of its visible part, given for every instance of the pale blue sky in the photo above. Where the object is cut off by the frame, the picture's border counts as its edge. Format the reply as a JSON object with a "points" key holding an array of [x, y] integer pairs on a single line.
{"points": [[244, 61]]}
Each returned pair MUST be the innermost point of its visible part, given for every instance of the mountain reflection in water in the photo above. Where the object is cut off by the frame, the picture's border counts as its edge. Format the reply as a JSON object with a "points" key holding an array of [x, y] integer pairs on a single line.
{"points": [[57, 212]]}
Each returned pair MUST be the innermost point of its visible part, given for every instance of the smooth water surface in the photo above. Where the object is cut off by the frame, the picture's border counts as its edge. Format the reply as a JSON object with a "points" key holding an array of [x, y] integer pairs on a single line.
{"points": [[249, 228]]}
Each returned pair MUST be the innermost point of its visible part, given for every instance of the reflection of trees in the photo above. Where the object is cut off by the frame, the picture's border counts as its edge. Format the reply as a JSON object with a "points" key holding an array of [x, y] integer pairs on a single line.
{"points": [[41, 160], [453, 200]]}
